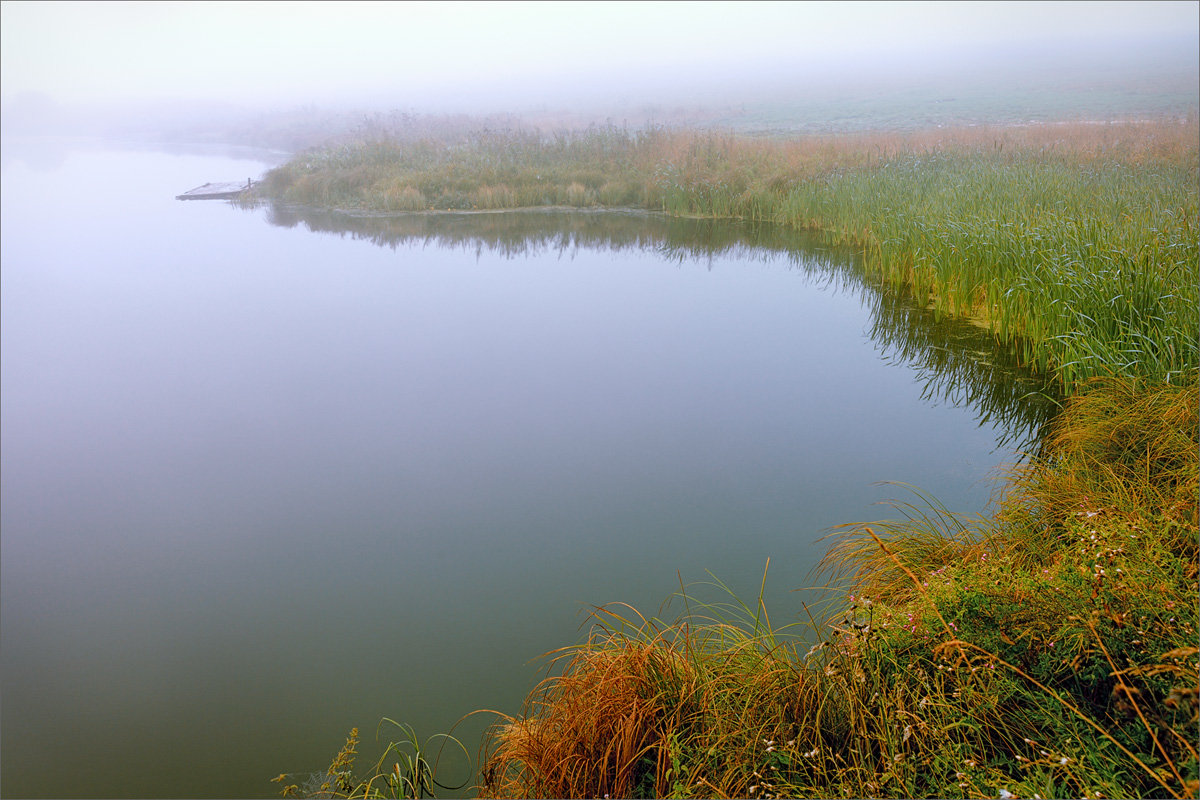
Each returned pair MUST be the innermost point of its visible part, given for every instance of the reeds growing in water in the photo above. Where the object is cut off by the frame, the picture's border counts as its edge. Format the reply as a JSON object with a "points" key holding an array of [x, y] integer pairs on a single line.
{"points": [[1077, 244]]}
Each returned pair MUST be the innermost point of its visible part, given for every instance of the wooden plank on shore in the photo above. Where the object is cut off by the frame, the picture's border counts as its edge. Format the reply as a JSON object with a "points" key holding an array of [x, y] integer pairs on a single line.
{"points": [[216, 191]]}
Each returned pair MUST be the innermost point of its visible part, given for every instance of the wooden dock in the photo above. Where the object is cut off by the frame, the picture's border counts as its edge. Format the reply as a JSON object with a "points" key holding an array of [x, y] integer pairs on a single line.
{"points": [[216, 191]]}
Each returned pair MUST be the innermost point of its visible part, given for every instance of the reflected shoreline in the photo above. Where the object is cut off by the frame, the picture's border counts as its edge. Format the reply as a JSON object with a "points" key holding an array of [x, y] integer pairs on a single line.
{"points": [[956, 362], [516, 232]]}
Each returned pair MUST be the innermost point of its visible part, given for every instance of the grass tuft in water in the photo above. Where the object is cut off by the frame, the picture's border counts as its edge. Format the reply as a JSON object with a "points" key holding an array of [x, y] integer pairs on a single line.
{"points": [[404, 770]]}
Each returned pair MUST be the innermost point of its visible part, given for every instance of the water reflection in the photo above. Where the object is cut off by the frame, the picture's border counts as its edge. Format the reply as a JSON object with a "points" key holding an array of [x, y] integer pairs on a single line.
{"points": [[961, 364], [239, 452], [957, 363], [534, 231]]}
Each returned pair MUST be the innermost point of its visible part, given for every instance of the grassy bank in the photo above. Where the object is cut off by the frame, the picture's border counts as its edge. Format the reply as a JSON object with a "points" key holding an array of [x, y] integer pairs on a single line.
{"points": [[1076, 243], [1046, 650], [1049, 651]]}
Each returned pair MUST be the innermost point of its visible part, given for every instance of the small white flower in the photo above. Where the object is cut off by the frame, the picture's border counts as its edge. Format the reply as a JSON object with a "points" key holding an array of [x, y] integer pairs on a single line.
{"points": [[1005, 794]]}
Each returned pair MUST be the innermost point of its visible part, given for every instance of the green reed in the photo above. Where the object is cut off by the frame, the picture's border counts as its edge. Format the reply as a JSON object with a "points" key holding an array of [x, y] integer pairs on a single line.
{"points": [[1089, 271]]}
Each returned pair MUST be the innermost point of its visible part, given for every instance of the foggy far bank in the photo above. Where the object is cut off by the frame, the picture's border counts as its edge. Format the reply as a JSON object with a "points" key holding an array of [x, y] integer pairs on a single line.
{"points": [[1118, 78]]}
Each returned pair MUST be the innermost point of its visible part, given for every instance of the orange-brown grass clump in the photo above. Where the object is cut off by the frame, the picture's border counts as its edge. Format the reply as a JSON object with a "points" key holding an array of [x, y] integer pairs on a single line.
{"points": [[645, 707], [599, 729]]}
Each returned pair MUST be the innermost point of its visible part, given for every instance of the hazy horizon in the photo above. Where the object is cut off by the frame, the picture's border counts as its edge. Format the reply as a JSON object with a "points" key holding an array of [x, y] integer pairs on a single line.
{"points": [[492, 56]]}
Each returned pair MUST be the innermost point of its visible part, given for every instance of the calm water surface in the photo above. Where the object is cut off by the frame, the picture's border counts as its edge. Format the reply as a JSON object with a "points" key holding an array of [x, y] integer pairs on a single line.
{"points": [[268, 476]]}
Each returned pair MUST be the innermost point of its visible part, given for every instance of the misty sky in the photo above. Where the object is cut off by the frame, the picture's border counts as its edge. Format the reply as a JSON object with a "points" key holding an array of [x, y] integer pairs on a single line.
{"points": [[415, 53]]}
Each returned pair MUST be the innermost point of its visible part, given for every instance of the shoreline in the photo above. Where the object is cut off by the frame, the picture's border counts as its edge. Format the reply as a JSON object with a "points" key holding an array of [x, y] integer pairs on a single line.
{"points": [[967, 657]]}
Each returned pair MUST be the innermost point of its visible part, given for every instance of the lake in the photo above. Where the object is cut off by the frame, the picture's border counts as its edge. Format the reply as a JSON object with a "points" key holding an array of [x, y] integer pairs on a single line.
{"points": [[270, 474]]}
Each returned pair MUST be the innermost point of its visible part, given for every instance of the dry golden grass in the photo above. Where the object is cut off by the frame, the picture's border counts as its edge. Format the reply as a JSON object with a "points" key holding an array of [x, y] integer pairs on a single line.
{"points": [[587, 732], [631, 706]]}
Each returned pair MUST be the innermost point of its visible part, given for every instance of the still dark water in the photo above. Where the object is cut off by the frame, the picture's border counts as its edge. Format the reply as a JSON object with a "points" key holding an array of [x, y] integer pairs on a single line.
{"points": [[267, 477]]}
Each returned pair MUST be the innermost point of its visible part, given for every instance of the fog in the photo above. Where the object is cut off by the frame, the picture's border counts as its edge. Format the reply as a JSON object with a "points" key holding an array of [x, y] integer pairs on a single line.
{"points": [[424, 51], [142, 67], [269, 474]]}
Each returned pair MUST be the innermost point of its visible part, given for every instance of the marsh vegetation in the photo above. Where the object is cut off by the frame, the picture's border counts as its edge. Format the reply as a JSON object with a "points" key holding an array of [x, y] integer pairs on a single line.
{"points": [[1046, 649]]}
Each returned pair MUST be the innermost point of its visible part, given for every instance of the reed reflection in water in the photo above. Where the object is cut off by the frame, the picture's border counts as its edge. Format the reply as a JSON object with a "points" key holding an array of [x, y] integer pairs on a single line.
{"points": [[958, 363]]}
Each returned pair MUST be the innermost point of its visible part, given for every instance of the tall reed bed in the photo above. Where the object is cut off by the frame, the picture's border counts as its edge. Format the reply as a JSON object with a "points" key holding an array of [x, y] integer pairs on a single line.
{"points": [[1078, 244], [1089, 271]]}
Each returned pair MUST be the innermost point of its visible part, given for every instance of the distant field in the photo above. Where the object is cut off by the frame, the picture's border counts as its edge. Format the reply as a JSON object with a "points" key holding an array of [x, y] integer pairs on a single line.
{"points": [[1152, 80], [1129, 87]]}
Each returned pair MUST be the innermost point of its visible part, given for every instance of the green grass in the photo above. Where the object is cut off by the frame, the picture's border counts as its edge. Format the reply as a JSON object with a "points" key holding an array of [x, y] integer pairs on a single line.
{"points": [[1091, 271], [407, 768]]}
